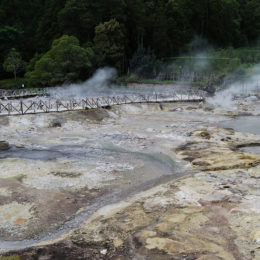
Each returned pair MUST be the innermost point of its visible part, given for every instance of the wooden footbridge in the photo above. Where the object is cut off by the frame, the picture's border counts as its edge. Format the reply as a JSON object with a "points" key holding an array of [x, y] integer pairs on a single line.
{"points": [[21, 93], [47, 105]]}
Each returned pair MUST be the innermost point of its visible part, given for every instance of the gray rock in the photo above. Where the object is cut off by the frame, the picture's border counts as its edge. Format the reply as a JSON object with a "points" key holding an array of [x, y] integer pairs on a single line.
{"points": [[4, 145], [208, 107], [56, 123], [251, 99]]}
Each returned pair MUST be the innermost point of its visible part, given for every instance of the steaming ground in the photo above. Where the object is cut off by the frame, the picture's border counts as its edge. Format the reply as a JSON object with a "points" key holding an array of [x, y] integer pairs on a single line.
{"points": [[87, 184], [101, 84], [94, 86], [248, 88]]}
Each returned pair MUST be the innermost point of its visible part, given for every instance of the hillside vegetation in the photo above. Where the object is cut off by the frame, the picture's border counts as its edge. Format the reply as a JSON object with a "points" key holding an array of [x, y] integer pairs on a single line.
{"points": [[51, 42]]}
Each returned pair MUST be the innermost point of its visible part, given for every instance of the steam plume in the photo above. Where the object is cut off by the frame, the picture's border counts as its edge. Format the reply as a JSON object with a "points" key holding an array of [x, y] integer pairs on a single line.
{"points": [[98, 83], [247, 87]]}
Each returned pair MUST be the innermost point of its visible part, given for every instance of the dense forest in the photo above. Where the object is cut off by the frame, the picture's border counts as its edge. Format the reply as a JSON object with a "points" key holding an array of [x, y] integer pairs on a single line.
{"points": [[55, 41]]}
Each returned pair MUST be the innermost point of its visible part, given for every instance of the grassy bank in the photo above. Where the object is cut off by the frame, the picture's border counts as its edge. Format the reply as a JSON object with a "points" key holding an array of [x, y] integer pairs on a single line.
{"points": [[11, 83]]}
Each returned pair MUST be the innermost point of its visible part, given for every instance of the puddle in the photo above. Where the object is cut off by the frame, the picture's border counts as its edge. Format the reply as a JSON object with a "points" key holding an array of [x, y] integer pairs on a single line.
{"points": [[155, 157], [251, 149], [105, 153], [249, 124], [135, 172], [31, 154]]}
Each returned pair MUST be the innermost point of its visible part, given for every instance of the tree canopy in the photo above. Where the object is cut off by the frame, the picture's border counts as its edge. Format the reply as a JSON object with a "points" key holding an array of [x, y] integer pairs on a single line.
{"points": [[109, 44], [115, 29], [66, 61], [13, 62]]}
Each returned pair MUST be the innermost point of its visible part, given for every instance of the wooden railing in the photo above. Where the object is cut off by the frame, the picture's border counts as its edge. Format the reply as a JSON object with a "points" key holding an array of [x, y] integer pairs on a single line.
{"points": [[46, 105]]}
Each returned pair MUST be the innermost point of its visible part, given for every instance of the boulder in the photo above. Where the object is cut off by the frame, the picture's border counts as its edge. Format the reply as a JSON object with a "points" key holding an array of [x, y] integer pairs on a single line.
{"points": [[4, 145]]}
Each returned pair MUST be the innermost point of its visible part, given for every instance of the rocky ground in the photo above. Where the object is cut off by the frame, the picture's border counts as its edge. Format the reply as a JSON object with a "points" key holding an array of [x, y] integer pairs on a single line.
{"points": [[209, 211]]}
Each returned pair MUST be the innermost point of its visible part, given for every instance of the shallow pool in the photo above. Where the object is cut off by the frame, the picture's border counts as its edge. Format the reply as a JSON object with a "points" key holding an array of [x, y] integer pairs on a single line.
{"points": [[249, 124], [251, 149]]}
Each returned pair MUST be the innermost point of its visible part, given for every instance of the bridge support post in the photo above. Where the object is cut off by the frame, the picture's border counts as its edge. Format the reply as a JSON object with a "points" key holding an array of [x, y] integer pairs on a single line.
{"points": [[21, 107]]}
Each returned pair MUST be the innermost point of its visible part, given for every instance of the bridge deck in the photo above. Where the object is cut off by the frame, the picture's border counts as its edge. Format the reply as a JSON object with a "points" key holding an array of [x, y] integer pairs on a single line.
{"points": [[47, 105]]}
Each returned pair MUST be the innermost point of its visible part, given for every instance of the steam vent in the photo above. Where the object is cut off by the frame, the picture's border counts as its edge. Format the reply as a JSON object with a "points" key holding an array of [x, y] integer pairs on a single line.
{"points": [[130, 130]]}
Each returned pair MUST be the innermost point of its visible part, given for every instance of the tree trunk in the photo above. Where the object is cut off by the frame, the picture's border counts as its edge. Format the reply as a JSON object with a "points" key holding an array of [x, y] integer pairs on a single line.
{"points": [[15, 75]]}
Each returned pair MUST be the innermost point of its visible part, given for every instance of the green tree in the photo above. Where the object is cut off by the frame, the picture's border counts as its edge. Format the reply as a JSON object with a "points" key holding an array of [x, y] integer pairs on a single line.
{"points": [[156, 27], [110, 44], [23, 16], [13, 63], [10, 37], [223, 22], [79, 18], [250, 25], [48, 27], [143, 63], [66, 61], [164, 26], [135, 25], [31, 64], [179, 28]]}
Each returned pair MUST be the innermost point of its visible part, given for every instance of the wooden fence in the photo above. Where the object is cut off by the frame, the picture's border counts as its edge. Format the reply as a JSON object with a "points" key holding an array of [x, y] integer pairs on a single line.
{"points": [[22, 107], [21, 93]]}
